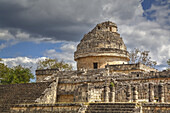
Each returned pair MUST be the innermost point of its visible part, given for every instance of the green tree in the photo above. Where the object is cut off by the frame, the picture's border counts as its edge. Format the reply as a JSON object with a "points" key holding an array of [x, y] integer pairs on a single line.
{"points": [[137, 56], [5, 74], [21, 74], [54, 64], [168, 62], [17, 74]]}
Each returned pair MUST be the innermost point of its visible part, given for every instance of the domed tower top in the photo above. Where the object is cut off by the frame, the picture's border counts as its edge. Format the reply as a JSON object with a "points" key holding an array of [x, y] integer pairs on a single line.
{"points": [[101, 46], [106, 26]]}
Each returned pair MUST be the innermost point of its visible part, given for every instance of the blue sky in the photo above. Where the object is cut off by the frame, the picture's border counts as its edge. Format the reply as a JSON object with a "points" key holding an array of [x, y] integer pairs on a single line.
{"points": [[34, 30], [28, 49]]}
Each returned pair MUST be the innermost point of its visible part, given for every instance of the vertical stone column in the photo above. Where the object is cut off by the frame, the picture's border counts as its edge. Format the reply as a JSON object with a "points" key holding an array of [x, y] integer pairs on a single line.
{"points": [[106, 93], [135, 94], [128, 94], [88, 92], [166, 94], [147, 92], [107, 70], [112, 94], [151, 92], [161, 92]]}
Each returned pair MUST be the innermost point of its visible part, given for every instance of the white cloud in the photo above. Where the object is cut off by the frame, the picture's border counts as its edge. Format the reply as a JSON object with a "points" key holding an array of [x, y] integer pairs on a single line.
{"points": [[152, 35], [5, 35], [23, 61], [66, 54]]}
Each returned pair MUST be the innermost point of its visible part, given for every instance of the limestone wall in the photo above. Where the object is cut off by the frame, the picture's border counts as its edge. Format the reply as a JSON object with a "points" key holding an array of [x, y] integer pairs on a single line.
{"points": [[143, 91], [94, 91], [101, 52], [80, 92], [90, 86], [50, 94], [41, 74], [87, 62], [66, 92], [146, 68], [93, 85]]}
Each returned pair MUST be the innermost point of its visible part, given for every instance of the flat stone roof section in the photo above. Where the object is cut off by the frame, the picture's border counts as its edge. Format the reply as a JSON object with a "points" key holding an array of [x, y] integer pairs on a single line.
{"points": [[126, 67]]}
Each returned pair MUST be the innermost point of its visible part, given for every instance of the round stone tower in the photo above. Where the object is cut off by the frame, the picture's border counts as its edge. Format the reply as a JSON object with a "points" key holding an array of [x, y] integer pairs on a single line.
{"points": [[101, 46]]}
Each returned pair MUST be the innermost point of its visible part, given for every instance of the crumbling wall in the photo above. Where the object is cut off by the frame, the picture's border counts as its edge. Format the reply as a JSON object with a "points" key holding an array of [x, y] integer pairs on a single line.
{"points": [[66, 92], [120, 94], [49, 95], [80, 92], [43, 73]]}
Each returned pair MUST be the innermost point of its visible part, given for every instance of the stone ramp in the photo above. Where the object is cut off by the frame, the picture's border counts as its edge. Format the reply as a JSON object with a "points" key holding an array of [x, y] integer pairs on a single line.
{"points": [[112, 108]]}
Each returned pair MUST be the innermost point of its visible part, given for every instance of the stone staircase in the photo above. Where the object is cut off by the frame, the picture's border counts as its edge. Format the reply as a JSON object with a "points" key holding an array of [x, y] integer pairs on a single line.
{"points": [[112, 108], [20, 94]]}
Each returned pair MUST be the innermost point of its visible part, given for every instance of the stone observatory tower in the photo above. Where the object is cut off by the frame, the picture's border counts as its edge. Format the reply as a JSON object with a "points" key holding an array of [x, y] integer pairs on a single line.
{"points": [[101, 46]]}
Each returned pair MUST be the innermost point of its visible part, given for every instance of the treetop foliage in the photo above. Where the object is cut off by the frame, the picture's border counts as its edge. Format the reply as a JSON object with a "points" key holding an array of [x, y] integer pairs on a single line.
{"points": [[16, 74], [168, 62], [54, 64], [137, 56]]}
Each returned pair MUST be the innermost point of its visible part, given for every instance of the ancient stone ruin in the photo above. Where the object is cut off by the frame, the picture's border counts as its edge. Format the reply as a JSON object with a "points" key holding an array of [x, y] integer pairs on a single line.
{"points": [[103, 82]]}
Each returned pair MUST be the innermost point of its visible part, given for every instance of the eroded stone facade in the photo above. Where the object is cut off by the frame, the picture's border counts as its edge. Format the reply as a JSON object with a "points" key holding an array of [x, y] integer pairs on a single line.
{"points": [[102, 86]]}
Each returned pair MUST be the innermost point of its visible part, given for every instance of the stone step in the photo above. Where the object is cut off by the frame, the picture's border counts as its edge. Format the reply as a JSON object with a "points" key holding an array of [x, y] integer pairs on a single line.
{"points": [[94, 111], [110, 106], [110, 110]]}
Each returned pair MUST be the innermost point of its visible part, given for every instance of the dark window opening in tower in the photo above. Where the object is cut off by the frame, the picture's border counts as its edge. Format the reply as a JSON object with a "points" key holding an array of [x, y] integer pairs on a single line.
{"points": [[110, 28], [98, 27], [95, 65]]}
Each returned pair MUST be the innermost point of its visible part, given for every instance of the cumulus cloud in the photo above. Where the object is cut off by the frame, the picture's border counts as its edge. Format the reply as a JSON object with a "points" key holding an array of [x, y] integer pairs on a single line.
{"points": [[66, 54], [5, 35], [150, 33]]}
